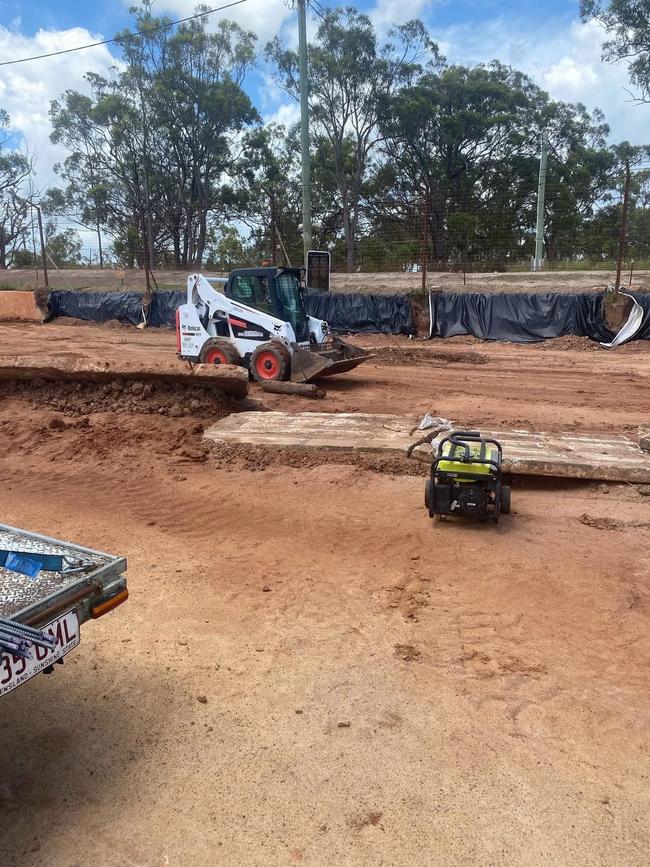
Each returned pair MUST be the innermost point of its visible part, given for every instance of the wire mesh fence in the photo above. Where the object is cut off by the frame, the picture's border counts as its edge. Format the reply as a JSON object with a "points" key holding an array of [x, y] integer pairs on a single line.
{"points": [[390, 246]]}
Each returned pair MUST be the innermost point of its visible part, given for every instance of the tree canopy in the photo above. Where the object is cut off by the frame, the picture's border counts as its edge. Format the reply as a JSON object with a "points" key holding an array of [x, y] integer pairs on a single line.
{"points": [[627, 23], [168, 161]]}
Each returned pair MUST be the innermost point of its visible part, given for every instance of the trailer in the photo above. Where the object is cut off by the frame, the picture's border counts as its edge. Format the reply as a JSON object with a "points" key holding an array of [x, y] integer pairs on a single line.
{"points": [[48, 590]]}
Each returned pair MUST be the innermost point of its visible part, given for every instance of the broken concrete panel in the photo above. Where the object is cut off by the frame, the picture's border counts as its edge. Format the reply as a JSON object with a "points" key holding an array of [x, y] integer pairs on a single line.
{"points": [[567, 455], [586, 456], [318, 430]]}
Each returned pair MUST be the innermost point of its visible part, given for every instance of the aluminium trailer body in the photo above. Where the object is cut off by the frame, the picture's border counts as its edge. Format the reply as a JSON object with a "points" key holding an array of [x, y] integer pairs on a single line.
{"points": [[73, 585]]}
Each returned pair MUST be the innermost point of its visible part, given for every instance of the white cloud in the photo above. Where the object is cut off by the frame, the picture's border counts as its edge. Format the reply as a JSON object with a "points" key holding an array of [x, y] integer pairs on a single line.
{"points": [[387, 13], [27, 89], [569, 75], [264, 17], [567, 63], [286, 114]]}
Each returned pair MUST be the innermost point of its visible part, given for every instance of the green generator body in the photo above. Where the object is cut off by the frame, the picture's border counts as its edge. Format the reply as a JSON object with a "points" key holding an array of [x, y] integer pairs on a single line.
{"points": [[466, 478]]}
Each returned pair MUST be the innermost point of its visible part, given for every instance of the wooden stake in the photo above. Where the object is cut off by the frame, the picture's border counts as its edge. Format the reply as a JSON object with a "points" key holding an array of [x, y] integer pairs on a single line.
{"points": [[302, 389]]}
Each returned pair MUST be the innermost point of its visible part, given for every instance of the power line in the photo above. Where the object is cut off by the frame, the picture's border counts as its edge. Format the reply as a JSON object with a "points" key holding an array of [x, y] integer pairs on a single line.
{"points": [[319, 10], [320, 5], [126, 36]]}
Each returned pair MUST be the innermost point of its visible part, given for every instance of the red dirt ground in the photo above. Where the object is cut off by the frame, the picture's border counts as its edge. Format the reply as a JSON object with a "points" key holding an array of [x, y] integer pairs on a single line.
{"points": [[308, 670]]}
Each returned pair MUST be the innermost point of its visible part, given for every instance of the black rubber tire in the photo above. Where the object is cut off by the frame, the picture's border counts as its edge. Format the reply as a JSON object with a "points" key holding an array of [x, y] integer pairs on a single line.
{"points": [[282, 360], [223, 345], [505, 499], [427, 494]]}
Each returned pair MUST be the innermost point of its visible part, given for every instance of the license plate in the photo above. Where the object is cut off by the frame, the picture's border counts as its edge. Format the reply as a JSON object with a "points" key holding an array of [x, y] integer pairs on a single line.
{"points": [[15, 670]]}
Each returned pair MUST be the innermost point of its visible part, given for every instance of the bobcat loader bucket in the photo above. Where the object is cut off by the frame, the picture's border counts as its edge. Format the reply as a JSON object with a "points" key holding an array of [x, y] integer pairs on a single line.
{"points": [[339, 357]]}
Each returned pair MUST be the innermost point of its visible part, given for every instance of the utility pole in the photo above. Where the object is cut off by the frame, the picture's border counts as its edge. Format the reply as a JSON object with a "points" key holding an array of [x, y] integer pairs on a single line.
{"points": [[274, 243], [42, 237], [147, 200], [623, 232], [541, 191], [425, 239], [304, 127]]}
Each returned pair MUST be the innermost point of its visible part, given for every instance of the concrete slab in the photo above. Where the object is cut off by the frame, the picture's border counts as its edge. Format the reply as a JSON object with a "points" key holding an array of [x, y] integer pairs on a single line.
{"points": [[317, 430], [568, 455]]}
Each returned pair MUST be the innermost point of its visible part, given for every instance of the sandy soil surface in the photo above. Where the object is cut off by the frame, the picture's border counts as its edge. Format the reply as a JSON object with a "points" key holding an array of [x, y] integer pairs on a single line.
{"points": [[387, 282], [308, 670], [567, 383]]}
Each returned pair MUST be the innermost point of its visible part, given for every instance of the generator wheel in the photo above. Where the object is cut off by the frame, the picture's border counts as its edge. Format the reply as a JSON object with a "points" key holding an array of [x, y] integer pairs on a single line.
{"points": [[219, 350], [505, 499], [270, 361], [427, 494]]}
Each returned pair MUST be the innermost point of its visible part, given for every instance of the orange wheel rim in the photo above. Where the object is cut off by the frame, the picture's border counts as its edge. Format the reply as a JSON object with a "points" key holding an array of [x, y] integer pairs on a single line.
{"points": [[267, 365], [215, 356]]}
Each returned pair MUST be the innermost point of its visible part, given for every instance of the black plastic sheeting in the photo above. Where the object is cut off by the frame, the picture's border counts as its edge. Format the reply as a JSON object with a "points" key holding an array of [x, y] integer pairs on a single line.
{"points": [[526, 317], [378, 314], [359, 313], [123, 306], [518, 317]]}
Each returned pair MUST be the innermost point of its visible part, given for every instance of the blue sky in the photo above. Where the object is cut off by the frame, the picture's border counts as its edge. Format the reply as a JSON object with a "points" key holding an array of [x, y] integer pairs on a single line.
{"points": [[106, 17], [542, 37]]}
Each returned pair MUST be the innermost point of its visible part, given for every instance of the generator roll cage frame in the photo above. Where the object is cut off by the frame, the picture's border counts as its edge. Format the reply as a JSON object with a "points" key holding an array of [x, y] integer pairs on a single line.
{"points": [[492, 481]]}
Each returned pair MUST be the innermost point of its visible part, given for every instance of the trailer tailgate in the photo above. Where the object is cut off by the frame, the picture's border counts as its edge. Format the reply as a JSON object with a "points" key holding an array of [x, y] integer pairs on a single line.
{"points": [[37, 599]]}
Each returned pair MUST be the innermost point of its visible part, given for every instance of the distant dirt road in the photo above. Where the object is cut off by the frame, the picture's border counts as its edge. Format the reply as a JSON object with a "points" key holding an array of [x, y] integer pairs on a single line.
{"points": [[386, 282]]}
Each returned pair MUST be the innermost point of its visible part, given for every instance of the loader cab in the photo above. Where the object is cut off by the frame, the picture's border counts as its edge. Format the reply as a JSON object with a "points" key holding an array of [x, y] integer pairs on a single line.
{"points": [[276, 291]]}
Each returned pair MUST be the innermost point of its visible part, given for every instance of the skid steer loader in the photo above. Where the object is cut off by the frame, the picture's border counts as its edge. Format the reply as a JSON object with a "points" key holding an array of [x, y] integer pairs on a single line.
{"points": [[257, 319]]}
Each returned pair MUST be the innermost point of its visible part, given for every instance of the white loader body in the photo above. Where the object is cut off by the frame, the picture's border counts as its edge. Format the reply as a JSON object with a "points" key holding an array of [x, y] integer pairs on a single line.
{"points": [[197, 322], [214, 328]]}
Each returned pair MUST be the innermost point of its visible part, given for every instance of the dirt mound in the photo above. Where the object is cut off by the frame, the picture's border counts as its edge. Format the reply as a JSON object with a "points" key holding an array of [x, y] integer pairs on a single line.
{"points": [[259, 458], [73, 322], [404, 355], [601, 523], [570, 341], [104, 436], [109, 325], [78, 399]]}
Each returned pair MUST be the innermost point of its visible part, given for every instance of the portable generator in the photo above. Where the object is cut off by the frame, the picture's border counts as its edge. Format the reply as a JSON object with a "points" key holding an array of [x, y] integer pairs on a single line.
{"points": [[466, 478]]}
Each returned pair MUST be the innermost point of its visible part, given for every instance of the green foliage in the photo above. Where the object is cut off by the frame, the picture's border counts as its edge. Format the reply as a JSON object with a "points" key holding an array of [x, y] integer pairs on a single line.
{"points": [[63, 248], [228, 251], [15, 169], [351, 80], [409, 155], [627, 22], [149, 148]]}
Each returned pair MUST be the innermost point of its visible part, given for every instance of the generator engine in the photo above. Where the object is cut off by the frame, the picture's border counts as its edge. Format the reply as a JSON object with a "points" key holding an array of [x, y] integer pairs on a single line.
{"points": [[466, 478]]}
